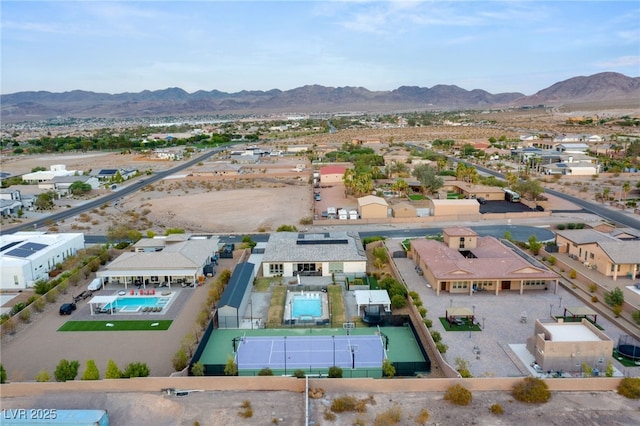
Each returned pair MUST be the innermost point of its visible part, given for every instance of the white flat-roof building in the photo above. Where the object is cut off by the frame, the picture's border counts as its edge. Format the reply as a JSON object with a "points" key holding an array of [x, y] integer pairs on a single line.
{"points": [[27, 257]]}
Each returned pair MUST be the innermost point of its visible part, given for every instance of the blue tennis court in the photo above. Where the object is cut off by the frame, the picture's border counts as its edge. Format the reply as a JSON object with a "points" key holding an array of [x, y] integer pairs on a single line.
{"points": [[303, 352]]}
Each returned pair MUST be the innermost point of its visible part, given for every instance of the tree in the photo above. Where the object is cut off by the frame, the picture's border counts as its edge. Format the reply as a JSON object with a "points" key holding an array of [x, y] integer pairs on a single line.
{"points": [[112, 372], [614, 297], [44, 201], [400, 186], [79, 188], [534, 244], [91, 371], [626, 186], [388, 370], [335, 372], [136, 369], [428, 178], [265, 372], [66, 370], [3, 374]]}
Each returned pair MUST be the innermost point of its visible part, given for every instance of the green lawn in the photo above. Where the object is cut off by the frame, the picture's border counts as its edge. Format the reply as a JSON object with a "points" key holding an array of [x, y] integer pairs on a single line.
{"points": [[455, 327], [123, 325]]}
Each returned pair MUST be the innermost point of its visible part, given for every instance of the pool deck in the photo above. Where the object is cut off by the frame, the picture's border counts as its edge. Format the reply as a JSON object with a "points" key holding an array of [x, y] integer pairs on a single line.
{"points": [[287, 316], [180, 297]]}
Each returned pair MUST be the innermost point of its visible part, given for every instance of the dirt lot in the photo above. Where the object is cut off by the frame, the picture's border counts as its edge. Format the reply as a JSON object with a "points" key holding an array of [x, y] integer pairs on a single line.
{"points": [[287, 408]]}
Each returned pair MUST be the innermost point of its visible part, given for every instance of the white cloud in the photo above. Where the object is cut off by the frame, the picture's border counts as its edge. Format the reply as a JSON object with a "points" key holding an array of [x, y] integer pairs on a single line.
{"points": [[622, 61]]}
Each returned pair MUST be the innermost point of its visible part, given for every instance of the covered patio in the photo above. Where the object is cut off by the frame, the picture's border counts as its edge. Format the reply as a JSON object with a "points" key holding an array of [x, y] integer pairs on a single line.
{"points": [[97, 304], [578, 312], [454, 315]]}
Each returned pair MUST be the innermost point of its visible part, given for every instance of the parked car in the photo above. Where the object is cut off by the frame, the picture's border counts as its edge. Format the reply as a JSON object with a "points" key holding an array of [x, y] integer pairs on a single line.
{"points": [[67, 308], [481, 200], [317, 197]]}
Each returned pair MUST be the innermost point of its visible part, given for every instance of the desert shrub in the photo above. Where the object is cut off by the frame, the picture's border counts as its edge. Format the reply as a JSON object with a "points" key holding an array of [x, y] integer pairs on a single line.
{"points": [[299, 374], [614, 297], [344, 403], [423, 312], [392, 416], [329, 416], [593, 287], [497, 409], [265, 372], [458, 395], [441, 347], [573, 274], [531, 390], [52, 296], [617, 310], [560, 226], [636, 317], [463, 367], [436, 336], [594, 299], [335, 372], [246, 410], [552, 260], [428, 323], [43, 376], [609, 370], [422, 417], [630, 387], [25, 315], [39, 304], [3, 374]]}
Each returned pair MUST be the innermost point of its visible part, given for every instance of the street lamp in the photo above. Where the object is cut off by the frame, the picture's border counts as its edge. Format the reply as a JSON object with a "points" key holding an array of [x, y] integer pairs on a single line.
{"points": [[551, 309], [483, 318], [251, 310], [560, 304], [285, 355]]}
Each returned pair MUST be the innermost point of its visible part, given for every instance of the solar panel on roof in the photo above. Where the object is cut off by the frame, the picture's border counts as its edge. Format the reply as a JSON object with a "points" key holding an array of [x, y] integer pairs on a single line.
{"points": [[8, 246], [33, 246], [18, 252]]}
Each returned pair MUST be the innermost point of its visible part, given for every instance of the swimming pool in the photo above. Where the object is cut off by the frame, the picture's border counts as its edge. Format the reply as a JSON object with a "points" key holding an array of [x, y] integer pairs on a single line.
{"points": [[308, 305], [136, 304]]}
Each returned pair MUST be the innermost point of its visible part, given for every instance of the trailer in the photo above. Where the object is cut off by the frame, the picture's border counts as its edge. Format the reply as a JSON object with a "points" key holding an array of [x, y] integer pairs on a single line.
{"points": [[511, 196], [37, 417]]}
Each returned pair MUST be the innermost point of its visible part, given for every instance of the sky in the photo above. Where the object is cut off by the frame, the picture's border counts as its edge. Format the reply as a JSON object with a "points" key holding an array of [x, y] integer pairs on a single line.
{"points": [[127, 46]]}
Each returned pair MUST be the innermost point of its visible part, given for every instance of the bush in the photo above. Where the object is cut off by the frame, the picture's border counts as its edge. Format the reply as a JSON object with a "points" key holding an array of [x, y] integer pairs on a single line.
{"points": [[388, 370], [43, 376], [180, 360], [441, 347], [560, 226], [66, 370], [531, 390], [636, 317], [436, 336], [428, 323], [197, 369], [594, 299], [112, 372], [614, 297], [392, 416], [91, 371], [299, 374], [246, 411], [344, 403], [335, 372], [552, 260], [617, 310], [136, 369], [422, 417], [573, 274], [593, 287], [39, 304], [52, 296], [458, 395], [630, 387], [3, 374], [398, 301], [497, 409], [265, 372], [25, 315], [231, 368]]}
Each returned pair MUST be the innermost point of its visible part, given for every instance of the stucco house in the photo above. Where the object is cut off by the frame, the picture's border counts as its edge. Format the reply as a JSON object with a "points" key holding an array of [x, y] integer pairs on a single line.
{"points": [[466, 263], [332, 174]]}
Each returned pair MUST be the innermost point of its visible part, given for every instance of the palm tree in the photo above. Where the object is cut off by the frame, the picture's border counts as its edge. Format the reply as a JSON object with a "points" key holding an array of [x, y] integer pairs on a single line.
{"points": [[605, 194], [348, 179], [400, 186], [626, 186]]}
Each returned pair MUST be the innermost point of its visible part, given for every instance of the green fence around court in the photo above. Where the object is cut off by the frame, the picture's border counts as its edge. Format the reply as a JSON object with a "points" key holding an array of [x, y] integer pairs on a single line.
{"points": [[403, 349]]}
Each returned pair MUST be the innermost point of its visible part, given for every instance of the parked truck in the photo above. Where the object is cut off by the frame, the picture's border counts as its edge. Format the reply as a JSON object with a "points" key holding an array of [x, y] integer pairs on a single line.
{"points": [[37, 417], [511, 196]]}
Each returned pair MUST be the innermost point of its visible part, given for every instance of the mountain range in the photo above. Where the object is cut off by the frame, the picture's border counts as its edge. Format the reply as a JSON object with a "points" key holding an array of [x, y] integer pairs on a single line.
{"points": [[32, 106]]}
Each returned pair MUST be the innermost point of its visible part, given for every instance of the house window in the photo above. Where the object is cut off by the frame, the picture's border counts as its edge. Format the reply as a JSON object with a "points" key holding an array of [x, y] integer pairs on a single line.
{"points": [[483, 284], [591, 256], [276, 268], [336, 267], [461, 242], [534, 283], [460, 284], [16, 281]]}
